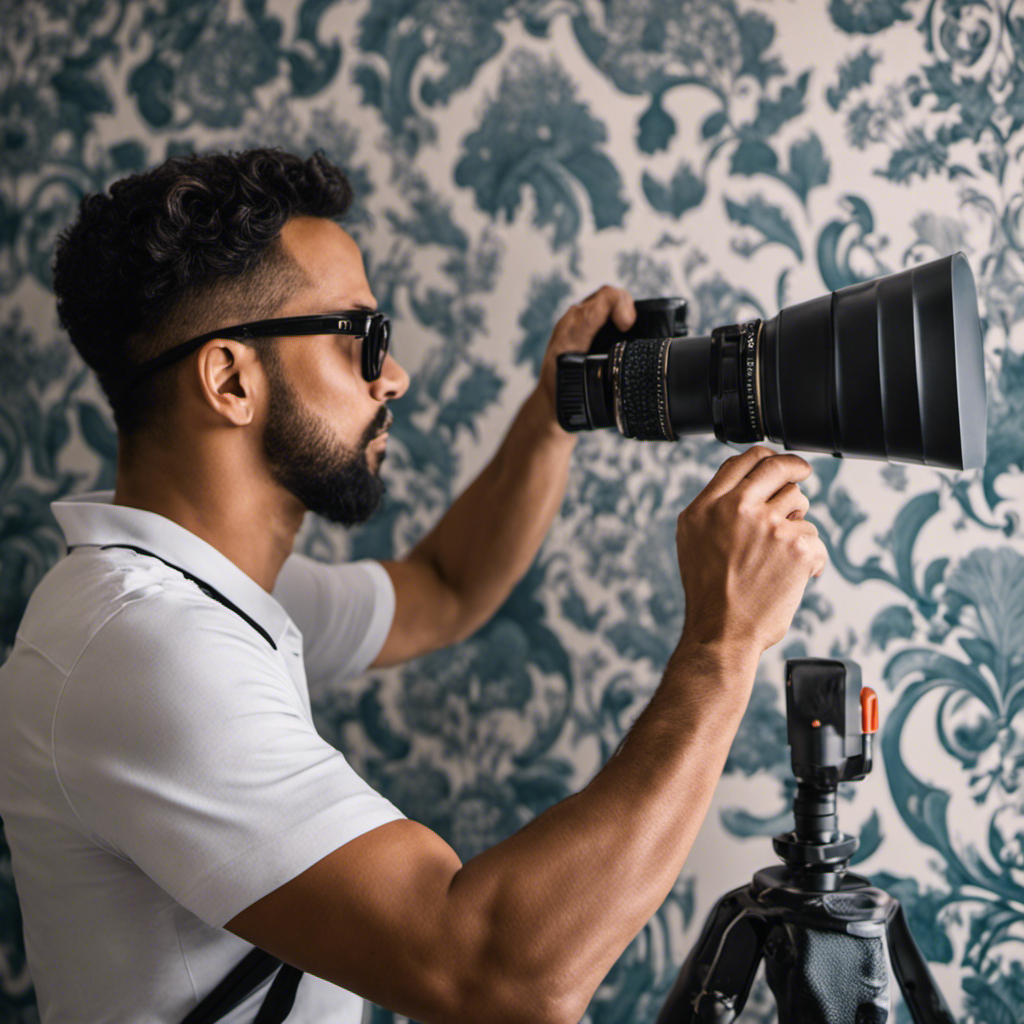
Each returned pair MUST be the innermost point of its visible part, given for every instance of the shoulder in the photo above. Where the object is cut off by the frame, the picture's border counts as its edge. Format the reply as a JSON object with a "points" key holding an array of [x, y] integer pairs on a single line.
{"points": [[154, 644]]}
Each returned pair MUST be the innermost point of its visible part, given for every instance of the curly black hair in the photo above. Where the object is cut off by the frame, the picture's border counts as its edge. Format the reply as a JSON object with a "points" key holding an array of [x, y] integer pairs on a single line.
{"points": [[180, 250]]}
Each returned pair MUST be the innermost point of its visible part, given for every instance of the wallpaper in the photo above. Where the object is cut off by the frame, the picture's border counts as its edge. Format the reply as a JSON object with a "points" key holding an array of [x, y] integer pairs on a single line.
{"points": [[509, 156]]}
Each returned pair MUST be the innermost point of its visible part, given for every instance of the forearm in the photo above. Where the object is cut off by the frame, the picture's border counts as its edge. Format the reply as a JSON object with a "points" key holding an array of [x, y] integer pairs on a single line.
{"points": [[486, 541], [568, 893]]}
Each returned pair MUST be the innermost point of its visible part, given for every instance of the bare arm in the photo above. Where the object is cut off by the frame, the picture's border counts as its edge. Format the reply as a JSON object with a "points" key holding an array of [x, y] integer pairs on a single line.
{"points": [[457, 577], [526, 931]]}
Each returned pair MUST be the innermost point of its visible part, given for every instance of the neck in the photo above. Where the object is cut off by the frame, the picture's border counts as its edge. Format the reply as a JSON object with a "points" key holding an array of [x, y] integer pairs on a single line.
{"points": [[232, 503]]}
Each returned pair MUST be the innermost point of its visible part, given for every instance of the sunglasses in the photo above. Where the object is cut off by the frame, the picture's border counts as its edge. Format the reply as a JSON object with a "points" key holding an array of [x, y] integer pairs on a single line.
{"points": [[373, 328]]}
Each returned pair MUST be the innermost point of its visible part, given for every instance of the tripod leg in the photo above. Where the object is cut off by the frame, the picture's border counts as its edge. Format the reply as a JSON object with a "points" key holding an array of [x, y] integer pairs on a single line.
{"points": [[923, 998], [827, 977], [714, 982]]}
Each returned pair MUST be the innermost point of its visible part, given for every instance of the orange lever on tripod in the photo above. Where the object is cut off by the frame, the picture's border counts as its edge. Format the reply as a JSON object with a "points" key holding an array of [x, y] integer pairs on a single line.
{"points": [[868, 710]]}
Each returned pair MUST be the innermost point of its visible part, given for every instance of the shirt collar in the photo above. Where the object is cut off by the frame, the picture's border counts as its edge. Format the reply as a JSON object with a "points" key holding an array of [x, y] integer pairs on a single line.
{"points": [[93, 519]]}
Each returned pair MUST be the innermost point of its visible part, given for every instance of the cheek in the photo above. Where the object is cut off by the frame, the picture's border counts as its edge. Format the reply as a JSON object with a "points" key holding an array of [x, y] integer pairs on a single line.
{"points": [[327, 384]]}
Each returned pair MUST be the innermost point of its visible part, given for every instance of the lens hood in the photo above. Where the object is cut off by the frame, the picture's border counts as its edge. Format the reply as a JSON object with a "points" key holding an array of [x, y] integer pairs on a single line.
{"points": [[887, 369]]}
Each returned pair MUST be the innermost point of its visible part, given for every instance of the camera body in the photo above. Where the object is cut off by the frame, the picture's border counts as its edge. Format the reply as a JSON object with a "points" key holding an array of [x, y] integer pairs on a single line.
{"points": [[654, 383]]}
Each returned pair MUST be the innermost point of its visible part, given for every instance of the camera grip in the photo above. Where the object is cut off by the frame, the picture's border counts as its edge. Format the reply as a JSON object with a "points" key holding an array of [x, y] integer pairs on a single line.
{"points": [[827, 977]]}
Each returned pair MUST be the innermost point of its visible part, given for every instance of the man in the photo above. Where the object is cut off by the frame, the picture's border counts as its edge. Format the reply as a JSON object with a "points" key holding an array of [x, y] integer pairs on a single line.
{"points": [[167, 800]]}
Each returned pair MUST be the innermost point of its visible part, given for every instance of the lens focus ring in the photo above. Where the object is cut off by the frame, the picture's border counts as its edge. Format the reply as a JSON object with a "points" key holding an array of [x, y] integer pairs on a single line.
{"points": [[639, 380], [735, 383]]}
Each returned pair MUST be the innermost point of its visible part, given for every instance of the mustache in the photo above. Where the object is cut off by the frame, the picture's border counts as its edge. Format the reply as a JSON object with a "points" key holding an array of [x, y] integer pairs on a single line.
{"points": [[379, 425]]}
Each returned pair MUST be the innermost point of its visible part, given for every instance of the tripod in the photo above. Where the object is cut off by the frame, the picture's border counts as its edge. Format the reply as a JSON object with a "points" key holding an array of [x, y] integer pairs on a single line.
{"points": [[822, 931]]}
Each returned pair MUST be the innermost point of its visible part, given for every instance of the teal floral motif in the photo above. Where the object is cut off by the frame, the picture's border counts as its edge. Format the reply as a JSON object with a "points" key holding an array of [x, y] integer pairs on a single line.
{"points": [[979, 725], [716, 301], [538, 318], [762, 742], [535, 132], [28, 124], [645, 276], [218, 75], [35, 420], [477, 814], [653, 610], [462, 36], [867, 16], [853, 73], [205, 69], [484, 814], [652, 46], [899, 541], [891, 623], [848, 246], [986, 591], [924, 911], [1006, 424], [462, 697], [997, 995], [683, 191], [768, 221], [202, 65]]}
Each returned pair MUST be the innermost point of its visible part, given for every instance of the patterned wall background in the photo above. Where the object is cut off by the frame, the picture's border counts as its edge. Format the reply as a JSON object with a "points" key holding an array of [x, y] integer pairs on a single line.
{"points": [[511, 155]]}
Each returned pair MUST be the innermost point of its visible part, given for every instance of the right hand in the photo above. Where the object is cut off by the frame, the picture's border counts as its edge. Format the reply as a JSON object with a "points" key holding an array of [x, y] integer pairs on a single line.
{"points": [[746, 552]]}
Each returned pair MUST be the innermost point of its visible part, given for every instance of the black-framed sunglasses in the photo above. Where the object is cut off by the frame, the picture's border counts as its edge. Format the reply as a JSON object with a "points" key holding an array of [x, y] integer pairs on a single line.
{"points": [[373, 328]]}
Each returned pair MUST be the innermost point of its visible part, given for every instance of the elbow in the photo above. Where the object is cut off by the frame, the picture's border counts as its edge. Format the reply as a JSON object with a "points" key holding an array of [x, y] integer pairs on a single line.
{"points": [[500, 997], [525, 1009]]}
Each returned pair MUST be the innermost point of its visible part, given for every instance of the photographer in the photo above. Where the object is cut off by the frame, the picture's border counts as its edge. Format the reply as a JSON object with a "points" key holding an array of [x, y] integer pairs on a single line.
{"points": [[167, 800]]}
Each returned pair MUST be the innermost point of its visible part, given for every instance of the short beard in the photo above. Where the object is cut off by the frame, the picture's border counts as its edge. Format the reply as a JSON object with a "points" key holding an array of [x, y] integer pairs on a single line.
{"points": [[308, 461]]}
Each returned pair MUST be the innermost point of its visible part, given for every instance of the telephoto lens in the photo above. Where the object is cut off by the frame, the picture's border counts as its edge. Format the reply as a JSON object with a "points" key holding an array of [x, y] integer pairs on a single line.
{"points": [[885, 369]]}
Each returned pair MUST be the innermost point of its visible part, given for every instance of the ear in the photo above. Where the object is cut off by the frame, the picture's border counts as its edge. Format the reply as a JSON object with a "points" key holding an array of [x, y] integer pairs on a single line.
{"points": [[231, 380]]}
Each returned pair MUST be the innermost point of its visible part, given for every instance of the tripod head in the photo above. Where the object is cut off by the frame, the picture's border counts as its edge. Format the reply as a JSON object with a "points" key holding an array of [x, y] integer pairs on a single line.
{"points": [[831, 720]]}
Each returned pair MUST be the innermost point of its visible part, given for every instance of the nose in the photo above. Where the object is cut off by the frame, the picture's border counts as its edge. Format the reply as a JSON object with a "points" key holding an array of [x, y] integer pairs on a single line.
{"points": [[392, 383]]}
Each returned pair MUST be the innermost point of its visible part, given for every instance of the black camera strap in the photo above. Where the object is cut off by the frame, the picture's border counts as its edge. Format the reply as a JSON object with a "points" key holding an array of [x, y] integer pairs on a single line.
{"points": [[254, 969], [201, 584], [244, 978]]}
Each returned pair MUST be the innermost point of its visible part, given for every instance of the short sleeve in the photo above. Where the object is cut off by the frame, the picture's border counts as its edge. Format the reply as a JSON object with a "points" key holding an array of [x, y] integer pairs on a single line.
{"points": [[188, 750], [344, 613]]}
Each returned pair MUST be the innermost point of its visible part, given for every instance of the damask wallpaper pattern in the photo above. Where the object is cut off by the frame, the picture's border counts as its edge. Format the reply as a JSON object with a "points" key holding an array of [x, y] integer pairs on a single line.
{"points": [[509, 156]]}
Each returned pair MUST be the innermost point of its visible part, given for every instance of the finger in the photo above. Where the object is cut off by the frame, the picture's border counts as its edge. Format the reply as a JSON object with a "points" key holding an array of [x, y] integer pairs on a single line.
{"points": [[790, 502], [817, 553], [624, 311], [611, 303], [771, 475], [735, 469]]}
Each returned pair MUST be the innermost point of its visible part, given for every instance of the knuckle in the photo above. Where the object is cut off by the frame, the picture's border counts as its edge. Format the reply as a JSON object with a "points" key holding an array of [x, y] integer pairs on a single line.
{"points": [[745, 506], [802, 547], [686, 519]]}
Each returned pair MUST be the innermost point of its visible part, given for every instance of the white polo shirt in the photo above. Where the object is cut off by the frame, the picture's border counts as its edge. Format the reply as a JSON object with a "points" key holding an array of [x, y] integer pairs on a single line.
{"points": [[160, 769]]}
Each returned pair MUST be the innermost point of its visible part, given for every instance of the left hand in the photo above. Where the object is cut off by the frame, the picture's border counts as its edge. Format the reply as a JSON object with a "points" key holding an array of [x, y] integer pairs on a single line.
{"points": [[576, 330]]}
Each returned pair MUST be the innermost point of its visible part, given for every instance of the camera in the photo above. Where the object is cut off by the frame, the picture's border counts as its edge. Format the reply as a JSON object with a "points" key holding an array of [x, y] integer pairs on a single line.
{"points": [[890, 368]]}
